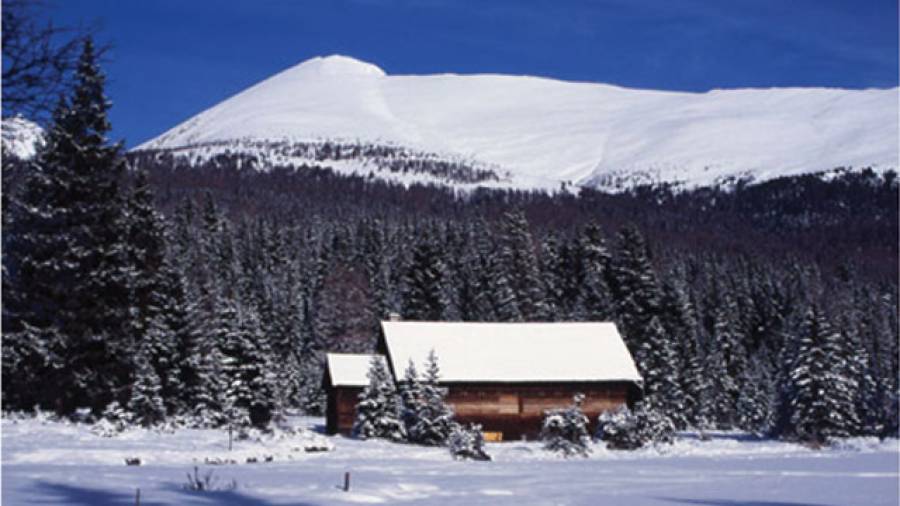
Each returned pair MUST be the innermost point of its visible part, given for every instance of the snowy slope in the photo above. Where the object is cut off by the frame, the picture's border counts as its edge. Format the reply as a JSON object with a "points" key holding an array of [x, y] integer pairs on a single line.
{"points": [[20, 137], [543, 131]]}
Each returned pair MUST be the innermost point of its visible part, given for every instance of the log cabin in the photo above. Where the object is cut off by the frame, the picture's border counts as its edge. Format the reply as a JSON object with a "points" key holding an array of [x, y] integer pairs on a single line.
{"points": [[346, 374], [501, 375]]}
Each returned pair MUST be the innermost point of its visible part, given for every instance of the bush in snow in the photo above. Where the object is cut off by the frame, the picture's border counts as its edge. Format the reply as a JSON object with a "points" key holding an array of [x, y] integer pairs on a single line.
{"points": [[209, 482], [114, 418], [625, 429], [379, 408], [467, 442], [565, 430], [428, 419]]}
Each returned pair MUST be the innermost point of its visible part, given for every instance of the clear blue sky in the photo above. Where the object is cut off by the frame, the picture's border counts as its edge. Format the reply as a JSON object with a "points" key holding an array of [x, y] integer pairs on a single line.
{"points": [[174, 58]]}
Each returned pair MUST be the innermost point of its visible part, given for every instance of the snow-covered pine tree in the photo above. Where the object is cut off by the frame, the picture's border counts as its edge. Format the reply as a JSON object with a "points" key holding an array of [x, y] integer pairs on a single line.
{"points": [[378, 413], [565, 430], [432, 420], [823, 393], [657, 362], [634, 286], [594, 297], [467, 442], [68, 262], [517, 267], [410, 391], [478, 267], [626, 429], [726, 364], [424, 293], [553, 277], [146, 404], [756, 400], [259, 371], [680, 323]]}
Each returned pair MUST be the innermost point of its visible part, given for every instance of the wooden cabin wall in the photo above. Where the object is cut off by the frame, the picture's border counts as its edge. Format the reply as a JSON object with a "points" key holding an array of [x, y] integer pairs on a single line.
{"points": [[517, 410], [341, 409]]}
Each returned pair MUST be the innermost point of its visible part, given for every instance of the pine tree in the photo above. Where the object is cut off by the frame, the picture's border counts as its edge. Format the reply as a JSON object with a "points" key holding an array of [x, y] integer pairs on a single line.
{"points": [[565, 430], [378, 413], [634, 287], [755, 403], [425, 294], [146, 404], [680, 324], [70, 269], [518, 277], [822, 400], [431, 419], [594, 297], [657, 361]]}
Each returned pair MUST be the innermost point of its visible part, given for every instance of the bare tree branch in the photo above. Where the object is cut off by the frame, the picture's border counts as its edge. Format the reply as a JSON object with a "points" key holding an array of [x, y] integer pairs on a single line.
{"points": [[38, 59]]}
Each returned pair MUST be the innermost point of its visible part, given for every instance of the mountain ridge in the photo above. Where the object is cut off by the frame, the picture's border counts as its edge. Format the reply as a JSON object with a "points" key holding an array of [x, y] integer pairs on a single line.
{"points": [[537, 132]]}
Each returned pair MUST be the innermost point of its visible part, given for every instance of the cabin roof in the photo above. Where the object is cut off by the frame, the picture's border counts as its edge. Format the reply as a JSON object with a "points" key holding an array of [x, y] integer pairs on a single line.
{"points": [[512, 352], [349, 369]]}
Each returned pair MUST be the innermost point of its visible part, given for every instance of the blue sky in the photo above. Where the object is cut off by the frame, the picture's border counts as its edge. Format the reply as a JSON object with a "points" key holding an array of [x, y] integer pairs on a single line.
{"points": [[174, 58]]}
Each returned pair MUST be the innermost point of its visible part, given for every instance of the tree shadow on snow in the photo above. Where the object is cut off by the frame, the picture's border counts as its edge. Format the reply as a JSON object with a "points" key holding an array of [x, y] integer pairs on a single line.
{"points": [[60, 493], [734, 502]]}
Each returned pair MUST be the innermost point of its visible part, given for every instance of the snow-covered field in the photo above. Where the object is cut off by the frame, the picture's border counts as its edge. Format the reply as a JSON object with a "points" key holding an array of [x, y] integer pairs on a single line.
{"points": [[55, 463]]}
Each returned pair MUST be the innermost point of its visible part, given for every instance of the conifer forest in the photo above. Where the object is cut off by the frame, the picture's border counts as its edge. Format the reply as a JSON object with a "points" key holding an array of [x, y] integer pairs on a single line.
{"points": [[140, 285]]}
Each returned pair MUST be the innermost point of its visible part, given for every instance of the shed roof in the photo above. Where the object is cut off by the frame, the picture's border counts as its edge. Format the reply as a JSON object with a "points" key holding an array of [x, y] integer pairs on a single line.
{"points": [[513, 352], [349, 369]]}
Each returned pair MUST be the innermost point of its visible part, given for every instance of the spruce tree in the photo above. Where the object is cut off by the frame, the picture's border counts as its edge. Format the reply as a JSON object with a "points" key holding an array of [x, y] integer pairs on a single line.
{"points": [[518, 277], [70, 265], [378, 413], [822, 400], [594, 297], [146, 404], [433, 419], [425, 295]]}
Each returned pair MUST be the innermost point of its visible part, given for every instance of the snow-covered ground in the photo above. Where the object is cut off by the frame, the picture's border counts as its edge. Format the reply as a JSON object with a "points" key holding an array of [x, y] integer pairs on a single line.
{"points": [[56, 463], [542, 132]]}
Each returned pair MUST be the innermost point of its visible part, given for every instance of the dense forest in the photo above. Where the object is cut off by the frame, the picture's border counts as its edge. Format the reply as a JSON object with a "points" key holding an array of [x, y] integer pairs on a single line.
{"points": [[145, 288]]}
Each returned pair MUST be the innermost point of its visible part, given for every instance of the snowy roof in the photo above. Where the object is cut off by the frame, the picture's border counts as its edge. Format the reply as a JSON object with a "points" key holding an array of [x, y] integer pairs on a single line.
{"points": [[349, 369], [512, 352]]}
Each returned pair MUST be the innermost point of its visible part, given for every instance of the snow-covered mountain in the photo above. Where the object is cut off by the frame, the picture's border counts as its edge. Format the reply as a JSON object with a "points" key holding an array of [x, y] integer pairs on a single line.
{"points": [[520, 131], [20, 137]]}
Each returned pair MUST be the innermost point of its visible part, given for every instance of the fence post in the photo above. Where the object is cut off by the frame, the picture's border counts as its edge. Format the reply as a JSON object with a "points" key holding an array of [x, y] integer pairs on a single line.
{"points": [[347, 481], [137, 498]]}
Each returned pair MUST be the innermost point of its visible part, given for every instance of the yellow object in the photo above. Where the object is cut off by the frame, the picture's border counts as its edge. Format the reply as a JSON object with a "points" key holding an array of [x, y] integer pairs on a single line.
{"points": [[493, 437]]}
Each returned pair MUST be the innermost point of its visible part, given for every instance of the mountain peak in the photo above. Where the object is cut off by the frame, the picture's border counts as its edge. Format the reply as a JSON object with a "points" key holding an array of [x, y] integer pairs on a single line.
{"points": [[338, 65]]}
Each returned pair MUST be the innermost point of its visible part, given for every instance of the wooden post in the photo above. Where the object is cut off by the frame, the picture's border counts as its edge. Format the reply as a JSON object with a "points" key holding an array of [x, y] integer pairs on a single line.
{"points": [[137, 498], [229, 435], [347, 481]]}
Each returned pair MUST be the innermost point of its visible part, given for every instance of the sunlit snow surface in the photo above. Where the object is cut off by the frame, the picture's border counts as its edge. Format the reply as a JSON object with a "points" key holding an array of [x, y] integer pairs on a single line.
{"points": [[53, 463], [543, 131]]}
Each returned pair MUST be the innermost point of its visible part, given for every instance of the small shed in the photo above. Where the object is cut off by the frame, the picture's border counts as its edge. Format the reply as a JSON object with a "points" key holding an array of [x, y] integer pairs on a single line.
{"points": [[505, 375], [346, 374]]}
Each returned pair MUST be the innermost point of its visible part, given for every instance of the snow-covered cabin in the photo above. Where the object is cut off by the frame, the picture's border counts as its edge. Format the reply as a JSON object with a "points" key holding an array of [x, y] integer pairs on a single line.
{"points": [[346, 374], [504, 375]]}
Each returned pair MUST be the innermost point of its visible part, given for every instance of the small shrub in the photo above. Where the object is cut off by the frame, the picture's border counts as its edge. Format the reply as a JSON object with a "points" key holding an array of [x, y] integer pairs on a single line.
{"points": [[624, 429], [565, 430], [467, 443], [207, 483]]}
